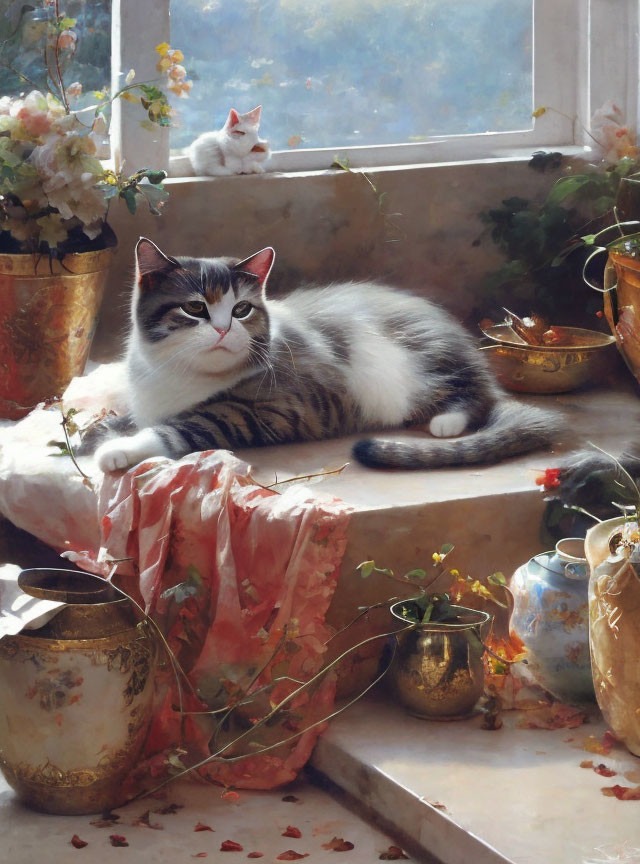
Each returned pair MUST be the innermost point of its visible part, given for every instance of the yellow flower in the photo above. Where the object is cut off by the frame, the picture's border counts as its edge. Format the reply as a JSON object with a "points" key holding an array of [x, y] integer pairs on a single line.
{"points": [[481, 590], [176, 56], [455, 574], [539, 112], [162, 48], [437, 557]]}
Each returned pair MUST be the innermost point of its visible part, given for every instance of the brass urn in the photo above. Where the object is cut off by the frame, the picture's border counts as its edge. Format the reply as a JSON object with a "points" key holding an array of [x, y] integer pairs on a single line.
{"points": [[48, 314], [438, 672], [614, 638], [75, 695]]}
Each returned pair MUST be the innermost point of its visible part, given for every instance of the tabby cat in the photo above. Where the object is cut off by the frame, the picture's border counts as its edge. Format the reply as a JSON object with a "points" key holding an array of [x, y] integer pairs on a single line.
{"points": [[212, 362]]}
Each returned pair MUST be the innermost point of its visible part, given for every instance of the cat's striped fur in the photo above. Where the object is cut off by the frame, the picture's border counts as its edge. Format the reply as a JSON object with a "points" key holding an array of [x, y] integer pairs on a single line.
{"points": [[212, 363]]}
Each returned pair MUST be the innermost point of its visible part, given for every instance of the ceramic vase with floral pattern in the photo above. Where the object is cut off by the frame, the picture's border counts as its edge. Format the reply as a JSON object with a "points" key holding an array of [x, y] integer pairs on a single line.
{"points": [[551, 616], [75, 696]]}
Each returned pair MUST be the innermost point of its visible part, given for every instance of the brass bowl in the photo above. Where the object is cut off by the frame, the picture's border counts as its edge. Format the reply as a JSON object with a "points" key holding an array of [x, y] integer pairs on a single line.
{"points": [[584, 359], [438, 672]]}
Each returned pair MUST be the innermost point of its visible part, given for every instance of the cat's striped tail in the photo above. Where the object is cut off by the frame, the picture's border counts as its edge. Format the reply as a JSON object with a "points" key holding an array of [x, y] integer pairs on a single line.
{"points": [[512, 428]]}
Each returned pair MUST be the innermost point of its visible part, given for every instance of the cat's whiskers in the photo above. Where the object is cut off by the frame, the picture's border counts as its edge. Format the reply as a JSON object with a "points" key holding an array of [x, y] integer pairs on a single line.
{"points": [[261, 354], [286, 344]]}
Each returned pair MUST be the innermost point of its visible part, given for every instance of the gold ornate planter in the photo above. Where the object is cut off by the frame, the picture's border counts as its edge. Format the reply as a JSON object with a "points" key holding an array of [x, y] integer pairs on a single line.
{"points": [[438, 672], [614, 635], [622, 299], [48, 314], [75, 696]]}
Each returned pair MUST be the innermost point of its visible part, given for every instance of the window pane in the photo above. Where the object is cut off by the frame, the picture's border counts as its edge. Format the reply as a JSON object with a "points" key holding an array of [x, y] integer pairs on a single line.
{"points": [[23, 31], [355, 72]]}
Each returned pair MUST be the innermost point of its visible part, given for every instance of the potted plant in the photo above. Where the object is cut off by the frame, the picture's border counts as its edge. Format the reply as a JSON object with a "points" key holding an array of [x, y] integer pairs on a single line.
{"points": [[438, 671], [55, 241], [621, 292], [542, 241]]}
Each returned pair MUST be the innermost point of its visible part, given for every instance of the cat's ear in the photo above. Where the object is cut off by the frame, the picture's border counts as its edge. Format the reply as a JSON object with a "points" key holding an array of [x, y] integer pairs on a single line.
{"points": [[253, 117], [258, 265], [233, 119], [151, 259]]}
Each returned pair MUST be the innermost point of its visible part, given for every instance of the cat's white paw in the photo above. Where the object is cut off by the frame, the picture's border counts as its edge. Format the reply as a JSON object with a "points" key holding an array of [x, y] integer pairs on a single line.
{"points": [[121, 453], [115, 455], [449, 425]]}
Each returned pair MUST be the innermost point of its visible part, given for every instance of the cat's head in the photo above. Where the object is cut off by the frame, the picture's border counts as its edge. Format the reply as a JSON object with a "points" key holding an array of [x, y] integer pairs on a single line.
{"points": [[243, 128], [201, 314]]}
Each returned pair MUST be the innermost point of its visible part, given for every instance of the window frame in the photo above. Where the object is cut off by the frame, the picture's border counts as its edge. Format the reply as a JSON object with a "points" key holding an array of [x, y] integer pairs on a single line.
{"points": [[596, 40]]}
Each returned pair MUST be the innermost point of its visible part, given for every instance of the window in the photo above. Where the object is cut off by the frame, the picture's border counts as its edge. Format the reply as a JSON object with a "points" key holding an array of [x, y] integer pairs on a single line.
{"points": [[23, 29], [383, 82], [357, 72]]}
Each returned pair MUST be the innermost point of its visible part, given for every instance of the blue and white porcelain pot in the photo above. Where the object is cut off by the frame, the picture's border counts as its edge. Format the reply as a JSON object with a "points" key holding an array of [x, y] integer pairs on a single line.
{"points": [[551, 617]]}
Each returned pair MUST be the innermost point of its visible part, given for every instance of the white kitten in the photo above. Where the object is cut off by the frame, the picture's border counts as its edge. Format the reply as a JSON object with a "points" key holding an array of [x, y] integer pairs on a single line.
{"points": [[234, 149]]}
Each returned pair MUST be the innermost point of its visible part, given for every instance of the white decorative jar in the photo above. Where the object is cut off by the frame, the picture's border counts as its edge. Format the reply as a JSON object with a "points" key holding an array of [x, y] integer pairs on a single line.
{"points": [[75, 696]]}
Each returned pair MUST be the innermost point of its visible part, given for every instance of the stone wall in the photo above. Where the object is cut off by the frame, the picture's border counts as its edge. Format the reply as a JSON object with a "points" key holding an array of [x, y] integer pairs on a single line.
{"points": [[327, 225]]}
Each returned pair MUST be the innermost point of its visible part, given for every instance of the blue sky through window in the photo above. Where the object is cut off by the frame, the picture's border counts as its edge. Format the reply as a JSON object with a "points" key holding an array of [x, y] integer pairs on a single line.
{"points": [[332, 73]]}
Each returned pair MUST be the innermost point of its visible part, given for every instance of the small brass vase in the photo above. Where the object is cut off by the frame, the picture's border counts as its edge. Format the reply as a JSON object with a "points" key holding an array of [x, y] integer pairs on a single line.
{"points": [[48, 314], [438, 672], [75, 695]]}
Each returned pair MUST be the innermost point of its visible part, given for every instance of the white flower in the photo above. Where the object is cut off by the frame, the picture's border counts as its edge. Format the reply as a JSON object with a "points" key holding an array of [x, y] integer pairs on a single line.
{"points": [[68, 172], [52, 231]]}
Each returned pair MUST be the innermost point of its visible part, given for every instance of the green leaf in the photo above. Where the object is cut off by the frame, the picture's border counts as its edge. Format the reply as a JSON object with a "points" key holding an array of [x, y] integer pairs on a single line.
{"points": [[108, 191], [129, 196], [602, 204], [589, 239], [567, 186], [152, 93], [366, 568], [154, 195], [415, 574], [497, 578], [62, 447], [156, 177], [341, 163], [446, 548]]}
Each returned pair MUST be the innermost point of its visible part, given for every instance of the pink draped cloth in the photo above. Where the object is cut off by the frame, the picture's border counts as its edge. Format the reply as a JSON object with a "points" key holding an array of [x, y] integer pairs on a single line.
{"points": [[238, 577]]}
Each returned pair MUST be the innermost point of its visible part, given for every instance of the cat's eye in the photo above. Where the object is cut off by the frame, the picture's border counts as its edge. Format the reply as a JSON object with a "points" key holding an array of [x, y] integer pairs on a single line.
{"points": [[195, 308], [242, 309]]}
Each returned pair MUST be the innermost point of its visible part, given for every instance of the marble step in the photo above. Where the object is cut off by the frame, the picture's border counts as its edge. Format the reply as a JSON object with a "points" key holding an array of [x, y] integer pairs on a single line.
{"points": [[469, 796]]}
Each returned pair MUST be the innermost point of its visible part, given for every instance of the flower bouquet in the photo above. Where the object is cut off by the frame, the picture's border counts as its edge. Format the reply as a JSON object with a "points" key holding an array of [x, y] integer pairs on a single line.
{"points": [[55, 193]]}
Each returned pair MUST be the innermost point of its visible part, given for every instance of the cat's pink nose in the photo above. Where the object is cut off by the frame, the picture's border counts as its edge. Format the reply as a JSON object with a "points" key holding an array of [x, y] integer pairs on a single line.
{"points": [[221, 330]]}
